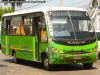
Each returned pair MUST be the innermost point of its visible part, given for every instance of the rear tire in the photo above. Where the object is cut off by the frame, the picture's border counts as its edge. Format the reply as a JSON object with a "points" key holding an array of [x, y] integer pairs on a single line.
{"points": [[87, 65], [46, 64], [99, 55], [0, 46]]}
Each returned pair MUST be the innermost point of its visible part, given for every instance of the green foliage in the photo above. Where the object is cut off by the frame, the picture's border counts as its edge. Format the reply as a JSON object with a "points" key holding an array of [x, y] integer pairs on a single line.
{"points": [[5, 10]]}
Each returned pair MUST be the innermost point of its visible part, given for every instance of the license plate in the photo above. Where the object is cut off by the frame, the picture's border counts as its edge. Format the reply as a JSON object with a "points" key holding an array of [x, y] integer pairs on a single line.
{"points": [[77, 57]]}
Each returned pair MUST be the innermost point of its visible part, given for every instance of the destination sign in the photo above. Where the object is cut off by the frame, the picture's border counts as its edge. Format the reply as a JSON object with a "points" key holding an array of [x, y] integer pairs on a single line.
{"points": [[71, 13]]}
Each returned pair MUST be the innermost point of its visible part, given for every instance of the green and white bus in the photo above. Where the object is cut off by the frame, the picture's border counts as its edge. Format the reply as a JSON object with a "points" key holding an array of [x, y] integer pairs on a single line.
{"points": [[50, 35]]}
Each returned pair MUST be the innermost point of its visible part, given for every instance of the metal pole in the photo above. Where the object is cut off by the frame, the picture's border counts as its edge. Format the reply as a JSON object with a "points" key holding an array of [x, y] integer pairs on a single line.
{"points": [[61, 3]]}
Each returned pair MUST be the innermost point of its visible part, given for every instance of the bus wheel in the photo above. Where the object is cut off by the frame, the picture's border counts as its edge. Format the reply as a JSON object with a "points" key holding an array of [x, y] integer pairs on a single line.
{"points": [[99, 55], [16, 60], [46, 65], [87, 65]]}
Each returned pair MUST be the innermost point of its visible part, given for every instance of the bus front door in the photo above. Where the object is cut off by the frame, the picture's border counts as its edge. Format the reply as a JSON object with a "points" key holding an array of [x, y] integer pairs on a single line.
{"points": [[6, 42], [36, 21]]}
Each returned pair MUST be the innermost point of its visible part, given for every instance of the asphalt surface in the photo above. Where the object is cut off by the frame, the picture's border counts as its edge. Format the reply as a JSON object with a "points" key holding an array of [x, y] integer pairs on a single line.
{"points": [[8, 67]]}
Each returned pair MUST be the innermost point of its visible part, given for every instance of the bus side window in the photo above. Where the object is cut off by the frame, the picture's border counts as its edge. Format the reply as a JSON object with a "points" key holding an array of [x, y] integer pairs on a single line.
{"points": [[18, 30], [11, 30], [3, 26], [26, 28], [22, 30], [44, 28], [43, 34], [22, 25]]}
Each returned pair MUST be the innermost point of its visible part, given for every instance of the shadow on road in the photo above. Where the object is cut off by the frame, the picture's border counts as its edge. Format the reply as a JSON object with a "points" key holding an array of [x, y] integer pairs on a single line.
{"points": [[68, 67], [71, 67]]}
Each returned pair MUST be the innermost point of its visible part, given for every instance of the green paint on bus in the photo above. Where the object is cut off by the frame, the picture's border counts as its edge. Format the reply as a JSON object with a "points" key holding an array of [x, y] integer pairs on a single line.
{"points": [[59, 35]]}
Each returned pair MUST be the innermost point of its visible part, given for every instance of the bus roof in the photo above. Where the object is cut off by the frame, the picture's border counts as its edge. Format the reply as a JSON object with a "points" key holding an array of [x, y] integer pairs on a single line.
{"points": [[43, 9]]}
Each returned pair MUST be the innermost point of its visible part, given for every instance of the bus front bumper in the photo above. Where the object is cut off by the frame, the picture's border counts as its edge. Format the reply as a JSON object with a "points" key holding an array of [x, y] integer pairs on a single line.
{"points": [[76, 58]]}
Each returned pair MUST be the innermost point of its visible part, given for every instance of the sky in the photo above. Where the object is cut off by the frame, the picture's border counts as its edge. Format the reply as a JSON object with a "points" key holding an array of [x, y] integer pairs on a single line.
{"points": [[51, 3]]}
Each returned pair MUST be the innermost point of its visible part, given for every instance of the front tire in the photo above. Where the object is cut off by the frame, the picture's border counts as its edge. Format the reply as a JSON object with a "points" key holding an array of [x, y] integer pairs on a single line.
{"points": [[46, 64], [87, 65], [15, 59]]}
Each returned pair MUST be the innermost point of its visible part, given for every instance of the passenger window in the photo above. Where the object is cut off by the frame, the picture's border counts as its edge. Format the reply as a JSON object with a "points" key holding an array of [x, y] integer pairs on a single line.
{"points": [[44, 27], [21, 25], [43, 30], [18, 30]]}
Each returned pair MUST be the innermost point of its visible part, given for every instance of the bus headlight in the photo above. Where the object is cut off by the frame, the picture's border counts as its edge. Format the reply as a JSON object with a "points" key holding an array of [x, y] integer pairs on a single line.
{"points": [[56, 50], [95, 49]]}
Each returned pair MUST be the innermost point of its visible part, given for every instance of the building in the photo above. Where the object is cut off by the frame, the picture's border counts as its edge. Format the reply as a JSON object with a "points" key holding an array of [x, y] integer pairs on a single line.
{"points": [[94, 12]]}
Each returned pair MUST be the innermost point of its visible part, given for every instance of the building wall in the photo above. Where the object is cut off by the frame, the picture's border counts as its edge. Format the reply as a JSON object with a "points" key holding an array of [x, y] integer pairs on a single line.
{"points": [[98, 21], [95, 16]]}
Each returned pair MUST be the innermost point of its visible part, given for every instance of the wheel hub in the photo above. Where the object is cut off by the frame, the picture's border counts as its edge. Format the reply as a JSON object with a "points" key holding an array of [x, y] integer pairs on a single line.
{"points": [[46, 62]]}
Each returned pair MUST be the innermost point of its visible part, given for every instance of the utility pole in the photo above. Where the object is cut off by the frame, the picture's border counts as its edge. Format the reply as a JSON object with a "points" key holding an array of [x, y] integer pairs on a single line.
{"points": [[61, 3]]}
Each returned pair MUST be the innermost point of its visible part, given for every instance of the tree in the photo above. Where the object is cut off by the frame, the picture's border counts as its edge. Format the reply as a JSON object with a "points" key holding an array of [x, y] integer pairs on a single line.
{"points": [[5, 10], [20, 2], [13, 2]]}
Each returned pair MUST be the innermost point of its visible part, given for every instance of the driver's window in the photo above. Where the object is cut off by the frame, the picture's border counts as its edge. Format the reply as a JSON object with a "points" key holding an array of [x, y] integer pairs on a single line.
{"points": [[44, 27], [43, 30]]}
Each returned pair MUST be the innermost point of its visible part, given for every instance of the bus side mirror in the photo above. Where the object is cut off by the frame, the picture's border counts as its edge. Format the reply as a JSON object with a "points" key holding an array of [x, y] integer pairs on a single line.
{"points": [[40, 26]]}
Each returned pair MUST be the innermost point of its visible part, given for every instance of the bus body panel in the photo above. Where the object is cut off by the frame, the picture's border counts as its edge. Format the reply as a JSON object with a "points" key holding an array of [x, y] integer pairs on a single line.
{"points": [[57, 36], [24, 47], [98, 36], [65, 54], [99, 45], [0, 35], [5, 45]]}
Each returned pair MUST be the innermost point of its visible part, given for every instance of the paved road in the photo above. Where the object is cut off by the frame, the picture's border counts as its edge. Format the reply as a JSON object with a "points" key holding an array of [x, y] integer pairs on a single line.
{"points": [[7, 67]]}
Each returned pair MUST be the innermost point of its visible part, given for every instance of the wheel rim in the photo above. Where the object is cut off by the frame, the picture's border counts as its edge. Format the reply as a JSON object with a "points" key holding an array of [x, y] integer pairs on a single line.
{"points": [[14, 57], [46, 62]]}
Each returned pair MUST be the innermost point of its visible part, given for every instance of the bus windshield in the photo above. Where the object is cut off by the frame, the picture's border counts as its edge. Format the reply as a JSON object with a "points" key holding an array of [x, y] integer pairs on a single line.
{"points": [[70, 25], [98, 35]]}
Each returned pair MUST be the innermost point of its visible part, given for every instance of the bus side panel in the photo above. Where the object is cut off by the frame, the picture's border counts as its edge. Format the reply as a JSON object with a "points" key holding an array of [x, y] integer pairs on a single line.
{"points": [[4, 45], [43, 48], [24, 46], [0, 40], [0, 35]]}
